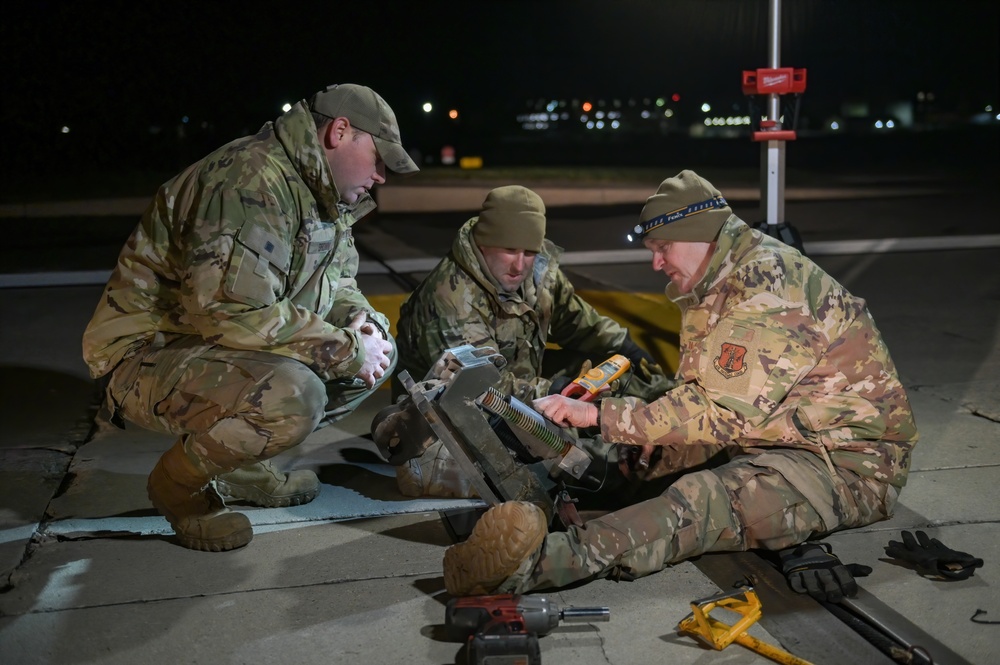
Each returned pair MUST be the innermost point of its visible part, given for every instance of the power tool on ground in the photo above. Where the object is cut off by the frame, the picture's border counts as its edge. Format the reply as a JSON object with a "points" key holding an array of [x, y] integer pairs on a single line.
{"points": [[504, 628]]}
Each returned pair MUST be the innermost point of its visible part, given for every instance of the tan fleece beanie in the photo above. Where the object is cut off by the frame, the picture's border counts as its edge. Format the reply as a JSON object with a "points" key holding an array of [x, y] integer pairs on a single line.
{"points": [[512, 217], [685, 208]]}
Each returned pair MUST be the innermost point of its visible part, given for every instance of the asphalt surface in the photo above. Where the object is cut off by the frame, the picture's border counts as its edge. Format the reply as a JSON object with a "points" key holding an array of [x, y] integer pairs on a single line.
{"points": [[89, 572]]}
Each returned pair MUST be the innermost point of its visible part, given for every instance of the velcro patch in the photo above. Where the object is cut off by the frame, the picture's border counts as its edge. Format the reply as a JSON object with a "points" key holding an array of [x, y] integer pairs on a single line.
{"points": [[732, 358]]}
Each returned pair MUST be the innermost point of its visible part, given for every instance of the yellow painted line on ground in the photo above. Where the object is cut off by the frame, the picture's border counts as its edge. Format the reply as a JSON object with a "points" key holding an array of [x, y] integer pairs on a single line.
{"points": [[653, 321]]}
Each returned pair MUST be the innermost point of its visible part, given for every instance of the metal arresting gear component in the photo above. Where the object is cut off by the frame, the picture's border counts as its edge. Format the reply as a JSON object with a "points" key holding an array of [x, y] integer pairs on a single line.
{"points": [[455, 418], [718, 635], [541, 437]]}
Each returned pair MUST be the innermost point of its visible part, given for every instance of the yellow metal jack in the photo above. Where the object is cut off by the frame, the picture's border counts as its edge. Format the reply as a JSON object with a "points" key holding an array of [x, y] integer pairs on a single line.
{"points": [[719, 635]]}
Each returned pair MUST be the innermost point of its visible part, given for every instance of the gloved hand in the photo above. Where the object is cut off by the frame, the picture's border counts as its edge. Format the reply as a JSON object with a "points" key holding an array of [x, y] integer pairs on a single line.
{"points": [[931, 557], [560, 381], [634, 461], [812, 568], [446, 366], [400, 432], [635, 353]]}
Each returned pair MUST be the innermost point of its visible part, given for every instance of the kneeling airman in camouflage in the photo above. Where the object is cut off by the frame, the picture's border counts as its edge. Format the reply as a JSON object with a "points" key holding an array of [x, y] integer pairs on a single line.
{"points": [[233, 319]]}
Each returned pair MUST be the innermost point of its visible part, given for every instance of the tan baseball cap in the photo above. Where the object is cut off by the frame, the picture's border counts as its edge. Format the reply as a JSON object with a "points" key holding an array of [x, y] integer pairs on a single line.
{"points": [[370, 113], [685, 208]]}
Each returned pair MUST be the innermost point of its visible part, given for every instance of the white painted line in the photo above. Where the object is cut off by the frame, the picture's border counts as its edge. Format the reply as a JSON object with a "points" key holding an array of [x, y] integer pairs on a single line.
{"points": [[23, 532], [604, 257]]}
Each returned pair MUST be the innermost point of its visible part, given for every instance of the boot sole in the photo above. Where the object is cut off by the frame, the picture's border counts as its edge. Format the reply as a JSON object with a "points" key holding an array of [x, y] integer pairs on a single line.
{"points": [[258, 497], [502, 539], [233, 541]]}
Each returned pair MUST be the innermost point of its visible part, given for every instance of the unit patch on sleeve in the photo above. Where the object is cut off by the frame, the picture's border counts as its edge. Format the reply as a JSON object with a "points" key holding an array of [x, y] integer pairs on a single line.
{"points": [[731, 361], [731, 352]]}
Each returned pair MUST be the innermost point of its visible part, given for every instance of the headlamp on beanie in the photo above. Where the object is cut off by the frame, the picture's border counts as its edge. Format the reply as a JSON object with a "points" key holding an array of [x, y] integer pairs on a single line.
{"points": [[685, 208], [643, 229]]}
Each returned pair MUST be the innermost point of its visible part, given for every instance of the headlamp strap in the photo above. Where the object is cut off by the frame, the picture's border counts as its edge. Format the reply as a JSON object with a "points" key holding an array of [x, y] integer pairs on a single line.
{"points": [[695, 208]]}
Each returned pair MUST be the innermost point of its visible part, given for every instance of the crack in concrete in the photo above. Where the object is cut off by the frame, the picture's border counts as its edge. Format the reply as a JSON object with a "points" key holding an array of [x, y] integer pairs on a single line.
{"points": [[993, 418], [218, 594]]}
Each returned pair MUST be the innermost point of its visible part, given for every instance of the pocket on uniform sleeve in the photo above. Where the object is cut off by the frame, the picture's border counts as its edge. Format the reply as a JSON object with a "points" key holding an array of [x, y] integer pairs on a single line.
{"points": [[261, 258]]}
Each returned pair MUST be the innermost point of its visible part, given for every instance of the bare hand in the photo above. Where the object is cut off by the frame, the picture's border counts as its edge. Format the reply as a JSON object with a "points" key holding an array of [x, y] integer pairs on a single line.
{"points": [[567, 412], [377, 350]]}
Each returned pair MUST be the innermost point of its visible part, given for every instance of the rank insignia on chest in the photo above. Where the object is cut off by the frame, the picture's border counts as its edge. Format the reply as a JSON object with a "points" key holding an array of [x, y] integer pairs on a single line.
{"points": [[731, 361], [320, 247]]}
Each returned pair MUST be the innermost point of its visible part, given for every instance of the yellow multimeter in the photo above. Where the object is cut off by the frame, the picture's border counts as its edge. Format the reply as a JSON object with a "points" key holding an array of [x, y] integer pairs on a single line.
{"points": [[586, 386]]}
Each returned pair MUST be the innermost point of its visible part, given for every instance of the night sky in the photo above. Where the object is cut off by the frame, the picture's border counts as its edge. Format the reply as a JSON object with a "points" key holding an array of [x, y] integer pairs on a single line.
{"points": [[118, 67]]}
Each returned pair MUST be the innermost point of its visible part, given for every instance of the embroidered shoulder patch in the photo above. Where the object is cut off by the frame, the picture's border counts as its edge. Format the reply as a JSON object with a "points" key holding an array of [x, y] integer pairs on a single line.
{"points": [[731, 357], [731, 361]]}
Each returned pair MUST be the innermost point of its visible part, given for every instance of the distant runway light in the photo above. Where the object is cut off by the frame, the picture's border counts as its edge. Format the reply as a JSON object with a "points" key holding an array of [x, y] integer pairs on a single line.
{"points": [[65, 129], [427, 107], [453, 114], [706, 107]]}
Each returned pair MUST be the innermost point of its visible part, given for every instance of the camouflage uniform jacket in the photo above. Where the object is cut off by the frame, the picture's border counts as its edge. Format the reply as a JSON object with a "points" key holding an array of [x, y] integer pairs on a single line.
{"points": [[774, 352], [248, 248], [458, 303]]}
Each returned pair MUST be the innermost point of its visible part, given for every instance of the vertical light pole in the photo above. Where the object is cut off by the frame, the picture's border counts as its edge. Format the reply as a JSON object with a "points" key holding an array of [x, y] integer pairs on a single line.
{"points": [[772, 82], [772, 156]]}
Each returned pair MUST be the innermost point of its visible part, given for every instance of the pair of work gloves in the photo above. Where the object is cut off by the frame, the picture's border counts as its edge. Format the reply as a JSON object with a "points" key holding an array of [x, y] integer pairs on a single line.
{"points": [[813, 568]]}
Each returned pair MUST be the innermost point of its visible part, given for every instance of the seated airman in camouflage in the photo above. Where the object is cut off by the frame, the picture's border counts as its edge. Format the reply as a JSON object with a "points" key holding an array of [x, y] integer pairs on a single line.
{"points": [[499, 287], [233, 319], [790, 417]]}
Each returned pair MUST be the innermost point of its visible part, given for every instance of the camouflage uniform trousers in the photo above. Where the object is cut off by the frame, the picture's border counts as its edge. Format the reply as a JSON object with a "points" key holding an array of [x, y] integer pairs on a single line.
{"points": [[771, 501], [230, 407]]}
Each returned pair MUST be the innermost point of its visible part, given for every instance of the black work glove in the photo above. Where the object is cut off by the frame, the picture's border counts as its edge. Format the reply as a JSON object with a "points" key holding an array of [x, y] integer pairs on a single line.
{"points": [[635, 353], [931, 557], [812, 568], [558, 383]]}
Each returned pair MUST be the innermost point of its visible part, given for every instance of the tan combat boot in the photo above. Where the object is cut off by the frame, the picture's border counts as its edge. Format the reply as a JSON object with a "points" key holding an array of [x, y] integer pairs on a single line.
{"points": [[434, 473], [507, 536], [261, 484], [186, 497]]}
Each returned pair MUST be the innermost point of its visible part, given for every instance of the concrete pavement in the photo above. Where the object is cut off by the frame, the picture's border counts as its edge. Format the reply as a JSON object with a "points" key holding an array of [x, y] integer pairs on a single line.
{"points": [[89, 573]]}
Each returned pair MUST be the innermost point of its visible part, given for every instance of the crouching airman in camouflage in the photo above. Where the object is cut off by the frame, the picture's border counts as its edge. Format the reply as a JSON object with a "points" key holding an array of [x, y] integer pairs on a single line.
{"points": [[233, 319], [790, 417], [500, 287]]}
